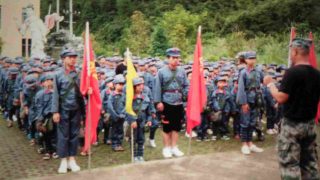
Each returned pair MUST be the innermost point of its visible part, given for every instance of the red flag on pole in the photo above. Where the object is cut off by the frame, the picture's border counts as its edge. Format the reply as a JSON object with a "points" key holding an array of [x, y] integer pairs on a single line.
{"points": [[313, 63], [292, 36], [312, 54], [89, 79], [197, 91]]}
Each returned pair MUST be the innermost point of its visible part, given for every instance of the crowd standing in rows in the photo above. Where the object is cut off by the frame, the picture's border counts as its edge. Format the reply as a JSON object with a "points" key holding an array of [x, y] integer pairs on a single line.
{"points": [[43, 96]]}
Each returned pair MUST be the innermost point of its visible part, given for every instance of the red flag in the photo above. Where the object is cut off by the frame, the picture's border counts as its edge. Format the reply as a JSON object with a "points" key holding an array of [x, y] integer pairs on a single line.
{"points": [[197, 91], [89, 79], [312, 54], [292, 36], [313, 62]]}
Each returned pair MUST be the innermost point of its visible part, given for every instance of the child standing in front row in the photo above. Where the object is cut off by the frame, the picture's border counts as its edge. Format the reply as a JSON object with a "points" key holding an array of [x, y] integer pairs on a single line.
{"points": [[220, 103], [116, 107], [45, 125], [143, 108]]}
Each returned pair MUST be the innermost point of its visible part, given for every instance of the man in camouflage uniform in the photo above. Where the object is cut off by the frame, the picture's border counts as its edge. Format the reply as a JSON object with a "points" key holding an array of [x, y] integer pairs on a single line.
{"points": [[299, 93]]}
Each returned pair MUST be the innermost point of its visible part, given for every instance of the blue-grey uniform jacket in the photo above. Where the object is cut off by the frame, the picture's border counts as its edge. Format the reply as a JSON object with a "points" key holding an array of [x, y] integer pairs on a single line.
{"points": [[66, 94], [221, 101], [9, 90], [148, 80], [143, 107], [104, 97], [268, 99], [29, 101], [43, 102], [18, 86], [173, 92], [116, 106], [235, 107], [249, 83]]}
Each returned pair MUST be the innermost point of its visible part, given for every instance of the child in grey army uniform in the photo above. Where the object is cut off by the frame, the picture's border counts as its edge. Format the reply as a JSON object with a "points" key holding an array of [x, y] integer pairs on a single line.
{"points": [[29, 93], [105, 94], [45, 125], [116, 107], [220, 103], [9, 90], [143, 107]]}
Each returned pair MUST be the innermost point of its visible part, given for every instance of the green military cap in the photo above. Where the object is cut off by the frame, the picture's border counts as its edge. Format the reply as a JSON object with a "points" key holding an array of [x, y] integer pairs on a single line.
{"points": [[118, 79], [8, 60], [137, 81], [30, 80], [109, 79], [301, 43], [13, 70]]}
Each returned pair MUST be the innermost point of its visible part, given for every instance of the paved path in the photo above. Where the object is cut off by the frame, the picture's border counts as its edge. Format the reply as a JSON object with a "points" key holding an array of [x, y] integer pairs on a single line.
{"points": [[19, 160], [230, 165]]}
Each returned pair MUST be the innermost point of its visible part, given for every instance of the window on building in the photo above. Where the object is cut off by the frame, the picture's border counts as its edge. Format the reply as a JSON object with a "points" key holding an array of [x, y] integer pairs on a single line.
{"points": [[29, 47], [26, 47]]}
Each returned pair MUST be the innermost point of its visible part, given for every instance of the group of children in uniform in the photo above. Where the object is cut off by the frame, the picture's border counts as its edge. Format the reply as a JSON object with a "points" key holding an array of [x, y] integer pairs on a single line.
{"points": [[233, 91]]}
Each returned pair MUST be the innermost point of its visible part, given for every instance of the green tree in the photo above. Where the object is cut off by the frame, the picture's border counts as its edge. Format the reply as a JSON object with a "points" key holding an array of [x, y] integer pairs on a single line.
{"points": [[236, 42], [178, 25], [137, 35], [159, 42]]}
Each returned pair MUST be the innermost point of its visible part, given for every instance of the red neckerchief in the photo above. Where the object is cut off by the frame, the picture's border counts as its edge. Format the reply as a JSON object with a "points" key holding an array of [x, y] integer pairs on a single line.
{"points": [[235, 90], [116, 93], [138, 96], [223, 91], [47, 91], [249, 70], [68, 71]]}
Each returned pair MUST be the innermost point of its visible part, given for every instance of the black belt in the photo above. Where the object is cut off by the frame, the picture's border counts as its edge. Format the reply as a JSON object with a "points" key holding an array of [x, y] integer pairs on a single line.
{"points": [[252, 89], [172, 91]]}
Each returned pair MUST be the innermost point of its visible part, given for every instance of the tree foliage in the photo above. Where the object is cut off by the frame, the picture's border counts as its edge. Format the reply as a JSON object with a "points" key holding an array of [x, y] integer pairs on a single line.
{"points": [[159, 42], [148, 27], [137, 35]]}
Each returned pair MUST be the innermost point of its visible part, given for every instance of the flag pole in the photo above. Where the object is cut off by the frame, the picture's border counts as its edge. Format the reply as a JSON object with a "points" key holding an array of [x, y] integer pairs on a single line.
{"points": [[88, 81], [190, 135], [189, 143], [131, 129], [289, 52], [132, 144]]}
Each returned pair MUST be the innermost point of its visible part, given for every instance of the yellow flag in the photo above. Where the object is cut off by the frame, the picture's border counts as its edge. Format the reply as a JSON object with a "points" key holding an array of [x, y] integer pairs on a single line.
{"points": [[131, 73]]}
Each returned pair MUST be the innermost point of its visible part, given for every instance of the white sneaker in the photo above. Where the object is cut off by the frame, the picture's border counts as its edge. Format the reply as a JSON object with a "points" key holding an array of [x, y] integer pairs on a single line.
{"points": [[73, 166], [256, 149], [153, 143], [166, 152], [209, 131], [275, 131], [254, 134], [136, 160], [176, 152], [63, 166], [245, 150], [141, 159], [213, 138], [187, 135], [270, 132], [194, 134]]}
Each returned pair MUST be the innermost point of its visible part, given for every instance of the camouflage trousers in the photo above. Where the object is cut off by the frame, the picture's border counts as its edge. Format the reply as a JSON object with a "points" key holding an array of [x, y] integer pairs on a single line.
{"points": [[297, 150]]}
